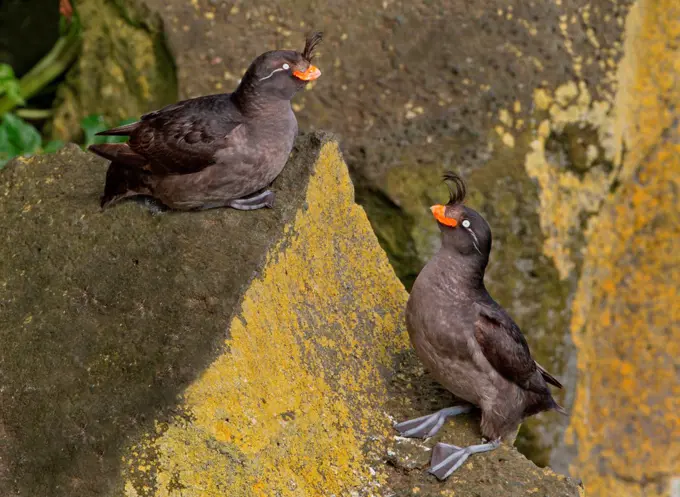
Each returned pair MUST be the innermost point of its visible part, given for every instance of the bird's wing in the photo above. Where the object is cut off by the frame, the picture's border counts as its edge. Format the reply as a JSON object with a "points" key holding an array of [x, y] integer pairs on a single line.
{"points": [[506, 349], [548, 377], [184, 137]]}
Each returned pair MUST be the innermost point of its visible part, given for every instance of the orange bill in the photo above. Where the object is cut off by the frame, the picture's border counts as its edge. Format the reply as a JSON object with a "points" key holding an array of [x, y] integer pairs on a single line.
{"points": [[439, 212], [310, 74]]}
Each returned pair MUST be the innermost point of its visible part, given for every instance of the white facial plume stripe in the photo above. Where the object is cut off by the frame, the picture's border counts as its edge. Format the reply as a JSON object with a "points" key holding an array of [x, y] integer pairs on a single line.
{"points": [[474, 241], [272, 73]]}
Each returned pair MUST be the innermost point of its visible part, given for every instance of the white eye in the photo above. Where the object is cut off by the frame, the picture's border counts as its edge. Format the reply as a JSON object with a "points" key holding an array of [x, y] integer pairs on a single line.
{"points": [[286, 67], [466, 223]]}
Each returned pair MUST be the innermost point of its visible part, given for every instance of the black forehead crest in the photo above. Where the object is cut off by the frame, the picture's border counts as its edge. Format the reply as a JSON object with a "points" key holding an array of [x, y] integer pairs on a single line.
{"points": [[456, 186], [313, 39]]}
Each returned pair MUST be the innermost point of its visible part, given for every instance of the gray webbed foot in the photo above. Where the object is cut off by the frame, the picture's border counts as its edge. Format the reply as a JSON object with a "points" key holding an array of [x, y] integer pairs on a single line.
{"points": [[427, 426], [448, 458], [264, 199]]}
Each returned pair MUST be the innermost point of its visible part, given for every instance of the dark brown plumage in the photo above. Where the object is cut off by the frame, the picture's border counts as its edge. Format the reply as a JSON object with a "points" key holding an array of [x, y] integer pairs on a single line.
{"points": [[469, 342], [218, 150]]}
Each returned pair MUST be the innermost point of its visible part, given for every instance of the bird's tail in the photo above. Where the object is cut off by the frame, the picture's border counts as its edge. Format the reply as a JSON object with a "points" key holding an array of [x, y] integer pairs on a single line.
{"points": [[559, 408], [125, 130], [547, 376], [124, 181], [118, 152]]}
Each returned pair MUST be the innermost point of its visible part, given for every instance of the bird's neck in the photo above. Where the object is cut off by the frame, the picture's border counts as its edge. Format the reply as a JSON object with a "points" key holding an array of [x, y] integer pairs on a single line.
{"points": [[461, 270], [253, 103]]}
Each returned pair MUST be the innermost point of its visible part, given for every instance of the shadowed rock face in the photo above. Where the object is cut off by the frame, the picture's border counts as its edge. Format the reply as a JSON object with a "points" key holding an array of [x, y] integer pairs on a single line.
{"points": [[19, 21], [213, 353], [107, 316]]}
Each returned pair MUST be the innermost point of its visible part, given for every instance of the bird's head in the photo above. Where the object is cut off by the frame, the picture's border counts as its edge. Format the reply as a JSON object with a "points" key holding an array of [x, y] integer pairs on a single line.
{"points": [[464, 230], [282, 73]]}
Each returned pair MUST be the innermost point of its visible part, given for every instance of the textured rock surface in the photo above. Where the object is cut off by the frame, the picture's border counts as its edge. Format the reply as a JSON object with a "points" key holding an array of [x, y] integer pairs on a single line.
{"points": [[626, 319], [124, 68], [413, 87], [530, 102], [215, 353]]}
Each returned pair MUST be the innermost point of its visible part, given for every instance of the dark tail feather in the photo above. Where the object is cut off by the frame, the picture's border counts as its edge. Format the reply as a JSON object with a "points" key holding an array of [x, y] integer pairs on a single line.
{"points": [[548, 377], [560, 409], [120, 130], [123, 181], [118, 152]]}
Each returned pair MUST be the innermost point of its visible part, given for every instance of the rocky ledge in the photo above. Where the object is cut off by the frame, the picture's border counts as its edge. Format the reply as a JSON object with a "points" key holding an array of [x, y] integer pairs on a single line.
{"points": [[214, 353]]}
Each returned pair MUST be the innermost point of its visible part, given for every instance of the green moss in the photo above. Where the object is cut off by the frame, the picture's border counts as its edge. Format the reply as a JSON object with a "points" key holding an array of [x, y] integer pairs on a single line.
{"points": [[138, 74], [393, 228]]}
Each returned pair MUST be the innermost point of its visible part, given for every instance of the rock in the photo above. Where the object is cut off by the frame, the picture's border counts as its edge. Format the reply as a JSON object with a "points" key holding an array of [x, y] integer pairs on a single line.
{"points": [[124, 68], [626, 424], [411, 96], [214, 353], [524, 100]]}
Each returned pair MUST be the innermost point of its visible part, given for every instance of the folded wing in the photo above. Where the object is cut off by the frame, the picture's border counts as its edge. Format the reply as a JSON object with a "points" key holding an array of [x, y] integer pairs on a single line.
{"points": [[507, 350], [181, 138]]}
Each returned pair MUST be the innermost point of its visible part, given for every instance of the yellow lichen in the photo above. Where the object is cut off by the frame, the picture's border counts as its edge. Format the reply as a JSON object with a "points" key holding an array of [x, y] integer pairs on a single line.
{"points": [[292, 406], [626, 420], [569, 197], [505, 117], [566, 196], [508, 140], [134, 79]]}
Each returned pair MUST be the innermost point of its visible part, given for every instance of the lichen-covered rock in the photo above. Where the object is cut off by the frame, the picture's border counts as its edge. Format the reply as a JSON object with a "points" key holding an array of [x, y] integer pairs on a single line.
{"points": [[214, 353], [626, 322], [124, 68], [523, 98], [417, 87]]}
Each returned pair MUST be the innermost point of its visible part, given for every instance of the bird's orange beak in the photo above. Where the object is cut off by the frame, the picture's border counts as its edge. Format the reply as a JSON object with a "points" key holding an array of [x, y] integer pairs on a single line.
{"points": [[439, 212], [310, 74]]}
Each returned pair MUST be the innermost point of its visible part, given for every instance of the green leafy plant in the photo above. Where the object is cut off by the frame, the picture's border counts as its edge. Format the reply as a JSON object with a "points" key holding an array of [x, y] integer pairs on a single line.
{"points": [[9, 85], [19, 138], [14, 93]]}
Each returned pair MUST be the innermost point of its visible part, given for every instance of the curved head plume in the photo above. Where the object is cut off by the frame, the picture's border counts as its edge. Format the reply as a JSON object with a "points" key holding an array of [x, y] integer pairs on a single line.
{"points": [[457, 189], [313, 39]]}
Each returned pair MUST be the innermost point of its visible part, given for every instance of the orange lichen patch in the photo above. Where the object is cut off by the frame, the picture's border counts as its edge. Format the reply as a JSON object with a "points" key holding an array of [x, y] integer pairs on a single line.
{"points": [[293, 405], [626, 317], [439, 212]]}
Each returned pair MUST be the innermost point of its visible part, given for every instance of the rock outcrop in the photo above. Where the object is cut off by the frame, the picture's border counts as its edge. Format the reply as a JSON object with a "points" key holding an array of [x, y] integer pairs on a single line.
{"points": [[124, 68], [214, 353], [626, 321], [414, 88]]}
